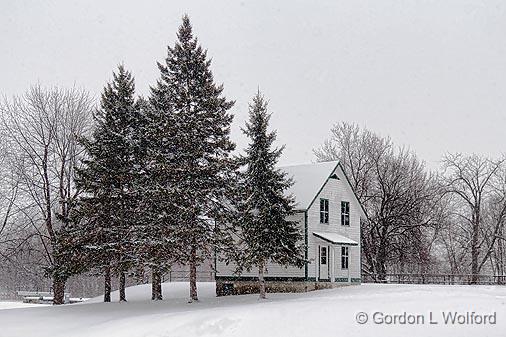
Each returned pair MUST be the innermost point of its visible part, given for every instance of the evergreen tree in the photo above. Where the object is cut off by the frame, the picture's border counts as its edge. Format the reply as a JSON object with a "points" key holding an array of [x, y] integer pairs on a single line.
{"points": [[107, 210], [158, 246], [200, 165], [267, 234]]}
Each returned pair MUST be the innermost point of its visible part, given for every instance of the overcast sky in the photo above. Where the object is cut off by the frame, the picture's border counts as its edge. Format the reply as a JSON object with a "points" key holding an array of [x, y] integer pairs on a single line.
{"points": [[430, 74]]}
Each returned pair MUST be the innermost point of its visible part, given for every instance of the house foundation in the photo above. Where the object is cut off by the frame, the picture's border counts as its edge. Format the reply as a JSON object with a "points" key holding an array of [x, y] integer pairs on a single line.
{"points": [[229, 286]]}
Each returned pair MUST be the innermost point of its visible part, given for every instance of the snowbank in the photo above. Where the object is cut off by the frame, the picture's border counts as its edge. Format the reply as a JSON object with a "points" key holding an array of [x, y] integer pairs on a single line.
{"points": [[15, 305], [326, 312]]}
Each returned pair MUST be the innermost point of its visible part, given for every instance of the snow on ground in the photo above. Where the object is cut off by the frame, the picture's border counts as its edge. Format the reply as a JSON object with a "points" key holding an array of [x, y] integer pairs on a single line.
{"points": [[326, 312], [15, 305]]}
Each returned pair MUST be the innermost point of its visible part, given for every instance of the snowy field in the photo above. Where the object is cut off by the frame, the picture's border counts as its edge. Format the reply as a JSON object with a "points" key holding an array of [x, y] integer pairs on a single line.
{"points": [[16, 305], [327, 312]]}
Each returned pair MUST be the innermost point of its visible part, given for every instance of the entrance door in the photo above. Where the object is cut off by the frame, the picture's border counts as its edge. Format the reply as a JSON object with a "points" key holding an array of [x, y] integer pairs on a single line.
{"points": [[324, 263]]}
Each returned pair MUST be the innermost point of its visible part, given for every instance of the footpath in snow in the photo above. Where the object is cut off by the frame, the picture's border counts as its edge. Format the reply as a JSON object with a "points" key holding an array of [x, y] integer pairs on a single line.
{"points": [[363, 310]]}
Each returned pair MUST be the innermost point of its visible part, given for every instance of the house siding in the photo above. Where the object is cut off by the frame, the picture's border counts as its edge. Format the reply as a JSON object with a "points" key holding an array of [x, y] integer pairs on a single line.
{"points": [[335, 190], [272, 269]]}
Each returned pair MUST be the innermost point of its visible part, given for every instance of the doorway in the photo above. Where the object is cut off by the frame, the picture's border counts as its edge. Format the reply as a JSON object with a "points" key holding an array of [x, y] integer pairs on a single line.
{"points": [[323, 270]]}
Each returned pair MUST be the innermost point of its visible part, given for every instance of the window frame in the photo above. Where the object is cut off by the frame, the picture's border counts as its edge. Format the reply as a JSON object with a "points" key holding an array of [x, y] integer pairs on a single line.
{"points": [[324, 211], [323, 256], [345, 258], [345, 213]]}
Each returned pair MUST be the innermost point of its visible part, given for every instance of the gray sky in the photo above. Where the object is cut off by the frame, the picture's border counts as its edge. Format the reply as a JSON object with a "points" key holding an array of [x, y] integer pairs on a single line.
{"points": [[431, 74]]}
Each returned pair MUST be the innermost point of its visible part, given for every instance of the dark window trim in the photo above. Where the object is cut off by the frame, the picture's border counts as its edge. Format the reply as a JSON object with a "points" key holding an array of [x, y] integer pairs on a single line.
{"points": [[324, 211], [345, 258], [323, 249], [345, 213]]}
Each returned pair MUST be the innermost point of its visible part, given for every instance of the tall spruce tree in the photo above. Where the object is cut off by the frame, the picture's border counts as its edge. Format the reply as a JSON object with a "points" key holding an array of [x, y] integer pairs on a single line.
{"points": [[158, 244], [200, 163], [267, 234], [107, 208]]}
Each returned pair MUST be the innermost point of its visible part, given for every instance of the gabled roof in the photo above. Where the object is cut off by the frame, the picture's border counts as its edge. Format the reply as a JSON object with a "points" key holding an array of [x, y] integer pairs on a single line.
{"points": [[308, 180]]}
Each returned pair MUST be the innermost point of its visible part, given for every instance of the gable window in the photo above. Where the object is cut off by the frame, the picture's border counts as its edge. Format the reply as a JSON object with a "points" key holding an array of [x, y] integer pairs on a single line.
{"points": [[345, 213], [323, 255], [344, 257], [324, 211]]}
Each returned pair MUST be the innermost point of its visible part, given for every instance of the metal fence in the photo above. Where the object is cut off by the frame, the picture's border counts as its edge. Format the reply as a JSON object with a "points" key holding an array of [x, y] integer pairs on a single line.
{"points": [[407, 278]]}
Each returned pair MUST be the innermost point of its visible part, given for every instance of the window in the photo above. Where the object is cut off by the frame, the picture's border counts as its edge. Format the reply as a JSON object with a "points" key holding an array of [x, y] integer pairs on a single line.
{"points": [[323, 255], [324, 211], [344, 257], [345, 213]]}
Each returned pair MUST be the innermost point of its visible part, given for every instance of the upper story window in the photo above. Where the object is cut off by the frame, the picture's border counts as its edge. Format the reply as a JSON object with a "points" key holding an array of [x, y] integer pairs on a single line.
{"points": [[345, 213], [344, 257], [324, 211]]}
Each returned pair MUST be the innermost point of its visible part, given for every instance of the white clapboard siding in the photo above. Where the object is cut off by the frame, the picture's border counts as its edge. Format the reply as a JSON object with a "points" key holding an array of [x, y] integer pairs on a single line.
{"points": [[335, 191], [273, 269]]}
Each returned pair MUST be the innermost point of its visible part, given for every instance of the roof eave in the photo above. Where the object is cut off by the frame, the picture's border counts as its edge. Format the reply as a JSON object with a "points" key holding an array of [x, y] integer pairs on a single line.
{"points": [[322, 237]]}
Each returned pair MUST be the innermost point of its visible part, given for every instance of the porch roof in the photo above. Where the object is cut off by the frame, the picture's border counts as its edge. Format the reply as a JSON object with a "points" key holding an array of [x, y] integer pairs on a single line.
{"points": [[336, 239]]}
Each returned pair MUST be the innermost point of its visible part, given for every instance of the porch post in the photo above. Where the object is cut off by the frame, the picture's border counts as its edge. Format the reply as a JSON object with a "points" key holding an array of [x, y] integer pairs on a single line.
{"points": [[317, 264], [349, 264], [333, 277]]}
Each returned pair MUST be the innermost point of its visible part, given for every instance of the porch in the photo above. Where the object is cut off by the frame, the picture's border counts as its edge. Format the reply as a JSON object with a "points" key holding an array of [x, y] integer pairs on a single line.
{"points": [[333, 258]]}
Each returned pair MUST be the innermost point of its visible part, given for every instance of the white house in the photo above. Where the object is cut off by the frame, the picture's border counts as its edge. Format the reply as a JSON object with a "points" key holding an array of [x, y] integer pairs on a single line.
{"points": [[329, 215]]}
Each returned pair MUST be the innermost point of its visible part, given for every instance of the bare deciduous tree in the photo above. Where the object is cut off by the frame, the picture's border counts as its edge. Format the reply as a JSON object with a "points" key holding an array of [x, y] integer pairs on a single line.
{"points": [[396, 191], [476, 182], [42, 129]]}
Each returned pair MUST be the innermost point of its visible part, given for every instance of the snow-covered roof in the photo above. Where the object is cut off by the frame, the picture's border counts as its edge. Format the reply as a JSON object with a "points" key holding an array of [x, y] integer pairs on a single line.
{"points": [[308, 180], [335, 238]]}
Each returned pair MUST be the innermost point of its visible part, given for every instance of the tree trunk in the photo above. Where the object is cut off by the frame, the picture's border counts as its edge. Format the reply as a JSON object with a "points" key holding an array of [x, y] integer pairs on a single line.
{"points": [[474, 248], [122, 282], [193, 274], [261, 279], [107, 284], [381, 261], [500, 260], [156, 284], [58, 291]]}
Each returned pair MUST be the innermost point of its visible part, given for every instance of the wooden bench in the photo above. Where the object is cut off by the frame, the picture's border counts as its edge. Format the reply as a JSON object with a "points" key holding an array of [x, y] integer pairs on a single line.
{"points": [[40, 297]]}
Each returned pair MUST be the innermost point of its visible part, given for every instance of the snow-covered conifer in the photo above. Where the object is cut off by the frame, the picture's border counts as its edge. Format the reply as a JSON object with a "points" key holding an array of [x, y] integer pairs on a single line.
{"points": [[157, 245], [199, 146], [107, 209], [266, 233]]}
